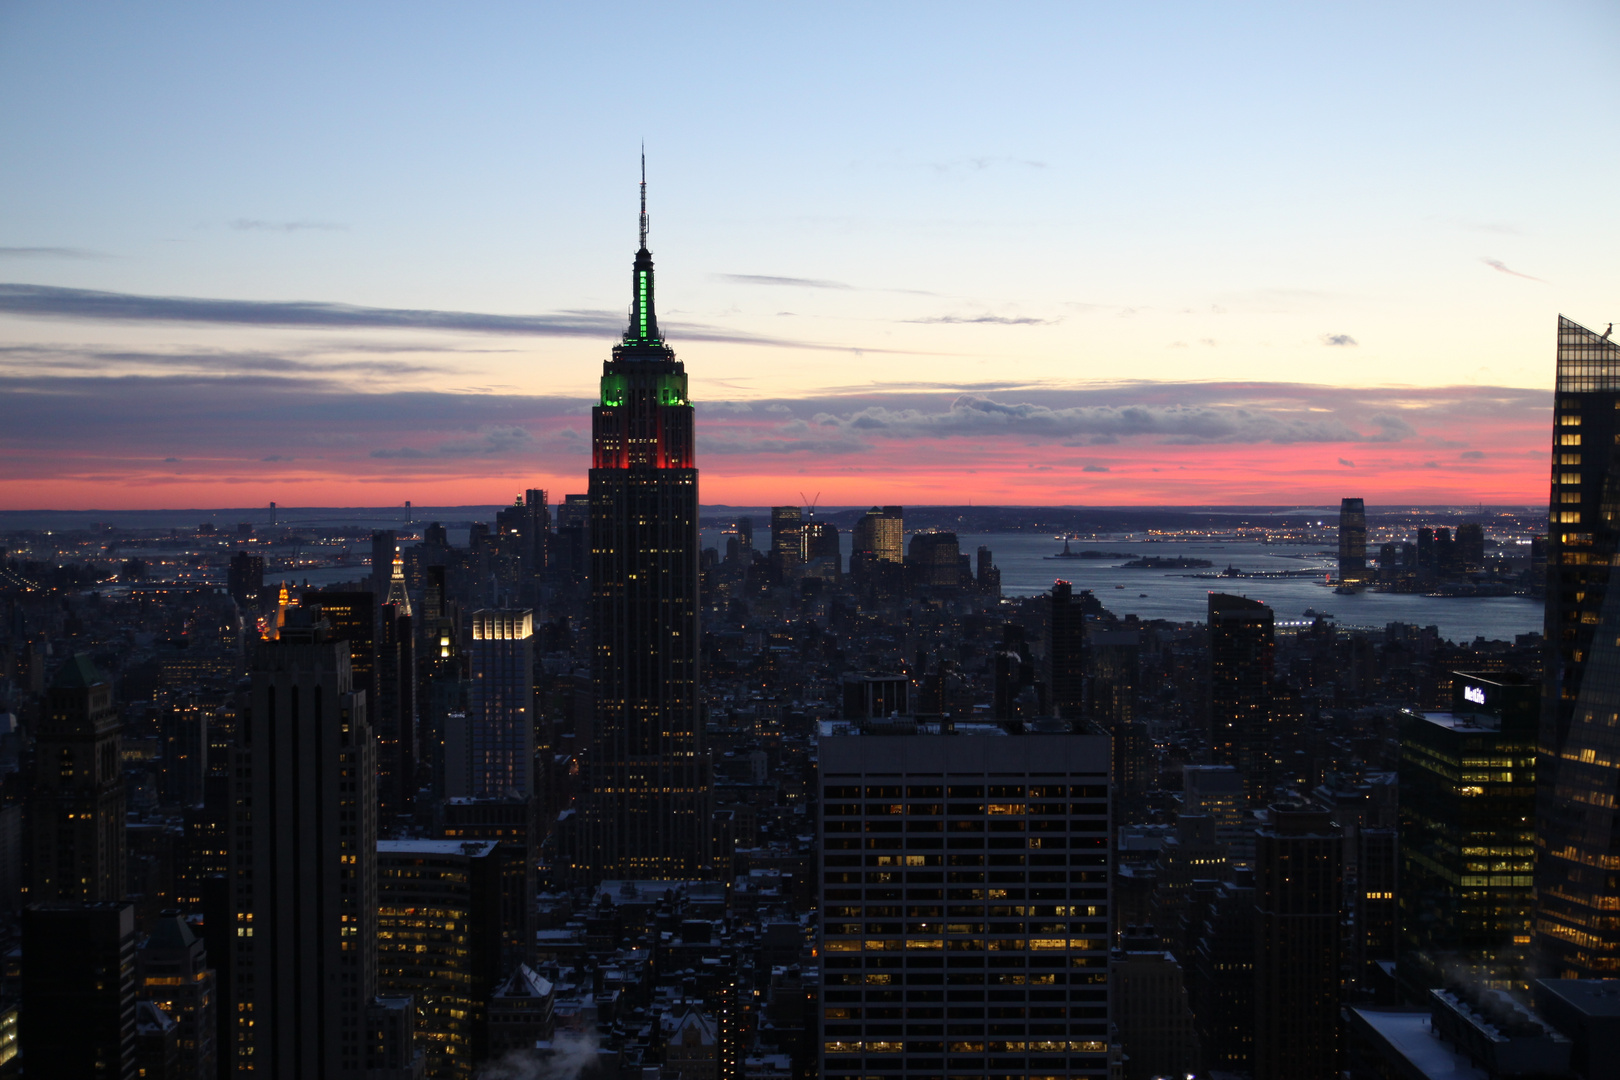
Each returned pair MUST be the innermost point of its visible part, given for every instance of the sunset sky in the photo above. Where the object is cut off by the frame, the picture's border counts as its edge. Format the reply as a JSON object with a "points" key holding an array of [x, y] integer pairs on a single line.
{"points": [[919, 253]]}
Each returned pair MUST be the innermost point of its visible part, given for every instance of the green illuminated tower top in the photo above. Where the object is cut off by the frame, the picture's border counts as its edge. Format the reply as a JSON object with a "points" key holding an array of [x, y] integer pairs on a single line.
{"points": [[643, 318]]}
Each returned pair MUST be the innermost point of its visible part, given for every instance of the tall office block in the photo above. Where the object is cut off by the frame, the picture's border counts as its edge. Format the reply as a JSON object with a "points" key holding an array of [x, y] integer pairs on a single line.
{"points": [[1299, 856], [1241, 647], [787, 540], [965, 927], [934, 560], [1577, 931], [439, 941], [647, 814], [77, 1017], [821, 555], [877, 539], [245, 578], [1066, 652], [78, 798], [303, 862], [489, 751], [1352, 540], [1467, 837]]}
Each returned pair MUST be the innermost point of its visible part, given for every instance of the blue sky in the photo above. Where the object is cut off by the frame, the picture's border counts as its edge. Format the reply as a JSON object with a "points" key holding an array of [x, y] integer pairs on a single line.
{"points": [[846, 199]]}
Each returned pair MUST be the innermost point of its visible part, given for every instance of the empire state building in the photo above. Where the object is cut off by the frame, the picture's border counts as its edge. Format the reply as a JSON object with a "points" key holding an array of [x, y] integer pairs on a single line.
{"points": [[647, 814]]}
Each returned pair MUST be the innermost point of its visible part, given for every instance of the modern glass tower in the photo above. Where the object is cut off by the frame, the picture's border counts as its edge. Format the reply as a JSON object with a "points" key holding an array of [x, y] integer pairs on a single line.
{"points": [[649, 775], [1577, 917]]}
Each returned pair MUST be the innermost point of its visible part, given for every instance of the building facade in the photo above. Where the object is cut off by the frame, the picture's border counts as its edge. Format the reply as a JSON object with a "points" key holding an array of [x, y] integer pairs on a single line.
{"points": [[965, 926], [303, 862], [1352, 540], [1241, 649], [77, 1015], [1577, 930], [648, 775], [78, 798]]}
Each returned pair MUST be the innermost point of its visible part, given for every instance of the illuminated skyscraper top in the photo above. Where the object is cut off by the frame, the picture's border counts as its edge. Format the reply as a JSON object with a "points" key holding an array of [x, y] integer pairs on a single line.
{"points": [[643, 314]]}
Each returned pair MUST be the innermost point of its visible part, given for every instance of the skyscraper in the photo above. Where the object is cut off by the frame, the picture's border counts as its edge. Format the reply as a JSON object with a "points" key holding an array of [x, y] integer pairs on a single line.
{"points": [[1299, 855], [1352, 540], [1066, 652], [490, 751], [78, 799], [1241, 645], [787, 540], [648, 809], [876, 542], [1576, 929], [976, 942], [78, 991], [303, 862]]}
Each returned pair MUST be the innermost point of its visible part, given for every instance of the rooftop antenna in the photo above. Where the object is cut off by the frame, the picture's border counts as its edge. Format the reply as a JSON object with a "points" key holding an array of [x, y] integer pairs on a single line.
{"points": [[643, 197]]}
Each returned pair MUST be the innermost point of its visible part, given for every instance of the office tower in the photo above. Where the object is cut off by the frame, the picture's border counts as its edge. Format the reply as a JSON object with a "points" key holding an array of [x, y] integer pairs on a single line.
{"points": [[77, 1015], [1221, 982], [1576, 932], [245, 578], [489, 751], [183, 730], [384, 542], [821, 554], [935, 560], [787, 540], [1241, 645], [303, 862], [1374, 906], [986, 576], [1299, 855], [174, 976], [393, 716], [1218, 790], [392, 1052], [1066, 652], [875, 697], [1149, 997], [78, 797], [1016, 695], [1352, 540], [649, 776], [439, 941], [513, 826], [1425, 551], [1467, 804], [880, 533], [975, 941], [1470, 545]]}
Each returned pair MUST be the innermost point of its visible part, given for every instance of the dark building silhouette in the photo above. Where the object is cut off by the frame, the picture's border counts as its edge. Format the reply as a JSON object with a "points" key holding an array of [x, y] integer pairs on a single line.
{"points": [[77, 1013], [1241, 648], [986, 575], [1352, 540], [245, 578], [1299, 855], [1467, 804], [934, 560], [78, 799], [1470, 544], [1066, 652], [303, 862], [787, 541], [648, 772], [821, 555], [384, 542], [1577, 932], [1221, 977]]}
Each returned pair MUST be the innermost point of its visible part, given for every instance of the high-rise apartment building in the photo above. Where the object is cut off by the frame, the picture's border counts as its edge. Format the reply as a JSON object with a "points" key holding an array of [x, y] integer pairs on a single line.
{"points": [[1577, 929], [1241, 647], [648, 775], [1299, 877], [78, 798], [303, 862], [1352, 540], [77, 1014], [965, 882], [1467, 836]]}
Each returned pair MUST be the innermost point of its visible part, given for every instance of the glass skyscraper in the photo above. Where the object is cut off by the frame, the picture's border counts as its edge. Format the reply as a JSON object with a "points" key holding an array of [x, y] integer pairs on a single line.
{"points": [[648, 809], [1577, 917]]}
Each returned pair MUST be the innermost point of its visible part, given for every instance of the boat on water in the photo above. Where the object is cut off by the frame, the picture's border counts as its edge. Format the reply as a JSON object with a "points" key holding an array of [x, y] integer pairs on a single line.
{"points": [[1312, 613]]}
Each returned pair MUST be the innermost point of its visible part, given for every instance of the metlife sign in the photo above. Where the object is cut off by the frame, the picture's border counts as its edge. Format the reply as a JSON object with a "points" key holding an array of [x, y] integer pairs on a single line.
{"points": [[1476, 694]]}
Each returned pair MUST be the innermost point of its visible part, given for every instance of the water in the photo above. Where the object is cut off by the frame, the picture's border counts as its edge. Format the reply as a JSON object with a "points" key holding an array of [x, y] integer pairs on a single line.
{"points": [[1177, 596]]}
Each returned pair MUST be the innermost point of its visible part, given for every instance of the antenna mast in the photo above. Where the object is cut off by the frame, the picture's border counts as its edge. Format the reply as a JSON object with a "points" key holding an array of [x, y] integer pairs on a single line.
{"points": [[643, 197]]}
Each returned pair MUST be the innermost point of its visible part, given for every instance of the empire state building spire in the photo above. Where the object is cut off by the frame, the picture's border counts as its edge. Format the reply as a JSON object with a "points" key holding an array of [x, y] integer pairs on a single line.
{"points": [[643, 318]]}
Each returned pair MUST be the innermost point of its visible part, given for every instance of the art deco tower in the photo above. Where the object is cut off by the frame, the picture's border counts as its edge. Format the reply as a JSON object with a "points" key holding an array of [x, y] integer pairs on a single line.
{"points": [[648, 815], [1577, 877]]}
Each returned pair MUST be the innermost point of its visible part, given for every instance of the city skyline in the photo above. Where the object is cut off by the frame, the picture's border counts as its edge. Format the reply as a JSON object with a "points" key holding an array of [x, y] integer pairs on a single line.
{"points": [[1108, 258]]}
